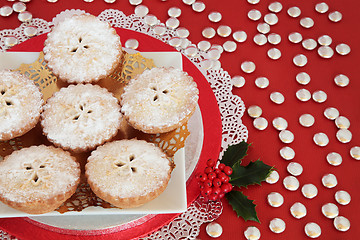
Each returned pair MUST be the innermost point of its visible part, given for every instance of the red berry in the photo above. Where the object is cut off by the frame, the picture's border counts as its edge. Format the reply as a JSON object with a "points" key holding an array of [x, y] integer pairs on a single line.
{"points": [[201, 185], [217, 171], [220, 174], [226, 187], [223, 177], [221, 166], [208, 183], [211, 176], [197, 177], [213, 197], [208, 170], [206, 191], [221, 195], [216, 182], [216, 191], [203, 177], [211, 163], [228, 170]]}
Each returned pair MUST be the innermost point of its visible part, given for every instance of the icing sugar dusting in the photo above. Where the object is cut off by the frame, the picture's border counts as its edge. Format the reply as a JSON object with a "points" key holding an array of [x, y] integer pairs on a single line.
{"points": [[37, 172], [20, 102], [159, 97], [135, 166], [82, 49], [81, 116]]}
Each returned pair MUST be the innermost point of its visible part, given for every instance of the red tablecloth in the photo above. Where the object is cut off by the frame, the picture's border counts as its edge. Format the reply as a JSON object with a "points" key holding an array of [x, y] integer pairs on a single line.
{"points": [[281, 74]]}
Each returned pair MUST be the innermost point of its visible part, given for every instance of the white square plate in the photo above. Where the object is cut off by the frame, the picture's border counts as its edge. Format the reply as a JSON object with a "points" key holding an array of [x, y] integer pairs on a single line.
{"points": [[172, 200]]}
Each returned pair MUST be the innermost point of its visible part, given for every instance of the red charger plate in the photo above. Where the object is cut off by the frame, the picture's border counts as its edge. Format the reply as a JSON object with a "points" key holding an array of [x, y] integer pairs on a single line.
{"points": [[211, 148]]}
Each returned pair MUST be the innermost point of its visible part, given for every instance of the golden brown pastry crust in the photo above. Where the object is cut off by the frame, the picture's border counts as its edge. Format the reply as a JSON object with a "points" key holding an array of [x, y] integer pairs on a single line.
{"points": [[81, 117], [38, 179], [82, 49], [20, 104], [159, 100], [128, 173]]}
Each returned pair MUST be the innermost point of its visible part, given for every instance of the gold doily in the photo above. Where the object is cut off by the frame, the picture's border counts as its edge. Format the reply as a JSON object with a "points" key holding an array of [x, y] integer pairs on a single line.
{"points": [[130, 66], [41, 75], [83, 198]]}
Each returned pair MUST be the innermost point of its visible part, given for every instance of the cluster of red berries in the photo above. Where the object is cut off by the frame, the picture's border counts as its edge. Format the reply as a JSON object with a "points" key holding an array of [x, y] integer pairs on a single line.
{"points": [[214, 181]]}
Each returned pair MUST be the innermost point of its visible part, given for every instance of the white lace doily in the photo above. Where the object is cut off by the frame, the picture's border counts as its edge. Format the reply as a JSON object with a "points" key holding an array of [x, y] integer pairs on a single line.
{"points": [[231, 106]]}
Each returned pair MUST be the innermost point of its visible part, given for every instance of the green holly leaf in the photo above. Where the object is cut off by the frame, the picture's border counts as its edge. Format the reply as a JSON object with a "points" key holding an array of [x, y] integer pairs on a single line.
{"points": [[235, 153], [253, 173], [243, 207]]}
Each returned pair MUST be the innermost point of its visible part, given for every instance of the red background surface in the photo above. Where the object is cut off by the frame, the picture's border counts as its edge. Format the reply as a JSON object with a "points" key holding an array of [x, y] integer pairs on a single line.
{"points": [[281, 74]]}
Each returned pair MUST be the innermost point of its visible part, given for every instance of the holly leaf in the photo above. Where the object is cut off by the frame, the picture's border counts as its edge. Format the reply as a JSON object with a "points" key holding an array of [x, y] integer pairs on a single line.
{"points": [[243, 206], [235, 153], [253, 173]]}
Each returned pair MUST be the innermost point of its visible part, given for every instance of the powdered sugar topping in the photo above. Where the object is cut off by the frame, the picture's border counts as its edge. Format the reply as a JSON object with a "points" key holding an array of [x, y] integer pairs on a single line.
{"points": [[20, 103], [159, 97], [137, 167], [81, 117], [37, 172], [82, 49]]}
